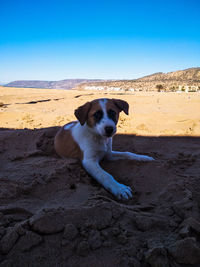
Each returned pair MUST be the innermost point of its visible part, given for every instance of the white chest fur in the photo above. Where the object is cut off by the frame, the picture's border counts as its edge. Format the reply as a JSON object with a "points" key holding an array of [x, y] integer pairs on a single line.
{"points": [[93, 146]]}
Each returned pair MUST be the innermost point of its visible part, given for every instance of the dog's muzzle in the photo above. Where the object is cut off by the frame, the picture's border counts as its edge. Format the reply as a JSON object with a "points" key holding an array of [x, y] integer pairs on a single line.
{"points": [[109, 131]]}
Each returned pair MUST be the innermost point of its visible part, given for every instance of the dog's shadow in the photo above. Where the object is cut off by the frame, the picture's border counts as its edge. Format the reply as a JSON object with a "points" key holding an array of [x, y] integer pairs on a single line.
{"points": [[175, 158]]}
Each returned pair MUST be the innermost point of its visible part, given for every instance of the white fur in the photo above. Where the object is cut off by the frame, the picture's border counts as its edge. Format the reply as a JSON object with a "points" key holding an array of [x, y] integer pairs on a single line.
{"points": [[105, 121], [68, 126], [95, 146]]}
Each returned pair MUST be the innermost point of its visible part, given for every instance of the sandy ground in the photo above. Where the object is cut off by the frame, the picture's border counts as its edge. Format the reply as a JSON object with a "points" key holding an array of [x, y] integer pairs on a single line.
{"points": [[52, 213], [151, 114]]}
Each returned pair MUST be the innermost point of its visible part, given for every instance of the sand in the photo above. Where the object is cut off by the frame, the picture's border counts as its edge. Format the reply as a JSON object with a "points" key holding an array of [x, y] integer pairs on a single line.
{"points": [[52, 213], [150, 114]]}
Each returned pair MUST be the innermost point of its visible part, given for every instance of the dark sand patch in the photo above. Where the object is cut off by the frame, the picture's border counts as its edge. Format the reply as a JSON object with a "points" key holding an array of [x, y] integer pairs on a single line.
{"points": [[52, 213]]}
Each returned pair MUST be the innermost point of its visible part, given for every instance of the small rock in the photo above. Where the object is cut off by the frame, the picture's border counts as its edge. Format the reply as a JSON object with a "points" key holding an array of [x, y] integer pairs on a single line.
{"points": [[168, 211], [84, 232], [95, 240], [186, 251], [8, 241], [157, 257], [83, 248], [70, 232], [115, 231], [103, 219], [122, 239], [21, 230], [173, 224], [29, 240], [65, 242], [145, 223], [182, 206], [117, 212], [184, 232], [47, 222], [104, 234], [140, 254], [2, 104], [187, 225]]}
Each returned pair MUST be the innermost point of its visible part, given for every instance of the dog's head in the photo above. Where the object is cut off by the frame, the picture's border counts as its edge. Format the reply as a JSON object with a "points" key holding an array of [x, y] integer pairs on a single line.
{"points": [[102, 115]]}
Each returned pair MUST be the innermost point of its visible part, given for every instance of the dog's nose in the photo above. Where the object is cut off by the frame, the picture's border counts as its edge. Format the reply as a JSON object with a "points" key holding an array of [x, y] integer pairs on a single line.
{"points": [[109, 130]]}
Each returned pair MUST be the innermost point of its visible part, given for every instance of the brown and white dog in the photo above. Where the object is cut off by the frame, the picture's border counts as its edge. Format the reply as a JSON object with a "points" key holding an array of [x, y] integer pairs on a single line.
{"points": [[90, 140]]}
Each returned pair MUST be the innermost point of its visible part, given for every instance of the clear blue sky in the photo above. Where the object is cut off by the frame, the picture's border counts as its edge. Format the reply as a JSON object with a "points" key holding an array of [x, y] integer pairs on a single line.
{"points": [[54, 40]]}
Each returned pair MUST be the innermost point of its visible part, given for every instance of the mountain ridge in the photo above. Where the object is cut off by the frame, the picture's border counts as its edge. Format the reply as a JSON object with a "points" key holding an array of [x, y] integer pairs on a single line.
{"points": [[186, 77], [186, 74], [62, 84]]}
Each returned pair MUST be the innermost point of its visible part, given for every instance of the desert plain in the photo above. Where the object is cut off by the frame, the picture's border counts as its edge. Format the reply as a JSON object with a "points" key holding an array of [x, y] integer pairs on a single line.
{"points": [[150, 113], [52, 213]]}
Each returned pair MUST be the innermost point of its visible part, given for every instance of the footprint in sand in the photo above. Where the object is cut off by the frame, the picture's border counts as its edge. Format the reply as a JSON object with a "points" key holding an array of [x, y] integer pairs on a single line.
{"points": [[142, 127], [28, 119], [190, 130]]}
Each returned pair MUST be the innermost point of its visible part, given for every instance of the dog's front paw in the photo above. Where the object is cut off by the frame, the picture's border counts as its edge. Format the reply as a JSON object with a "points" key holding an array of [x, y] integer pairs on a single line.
{"points": [[122, 191], [145, 158]]}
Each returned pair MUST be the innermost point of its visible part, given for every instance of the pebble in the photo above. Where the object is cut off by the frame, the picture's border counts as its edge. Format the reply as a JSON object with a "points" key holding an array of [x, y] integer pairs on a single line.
{"points": [[187, 225], [70, 232], [47, 222], [145, 223], [8, 240], [181, 207], [157, 257], [115, 231], [103, 219], [95, 240], [122, 239], [83, 249], [186, 251], [29, 240]]}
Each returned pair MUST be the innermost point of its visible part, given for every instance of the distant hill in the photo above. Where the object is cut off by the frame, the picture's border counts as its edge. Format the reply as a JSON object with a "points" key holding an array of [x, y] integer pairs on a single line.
{"points": [[171, 81], [63, 84], [191, 74]]}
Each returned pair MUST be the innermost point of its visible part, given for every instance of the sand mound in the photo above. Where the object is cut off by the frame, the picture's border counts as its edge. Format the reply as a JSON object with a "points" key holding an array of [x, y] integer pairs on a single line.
{"points": [[52, 213]]}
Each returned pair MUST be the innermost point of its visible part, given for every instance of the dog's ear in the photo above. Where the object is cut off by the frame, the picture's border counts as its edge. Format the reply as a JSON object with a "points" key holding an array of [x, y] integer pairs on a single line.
{"points": [[122, 105], [81, 113]]}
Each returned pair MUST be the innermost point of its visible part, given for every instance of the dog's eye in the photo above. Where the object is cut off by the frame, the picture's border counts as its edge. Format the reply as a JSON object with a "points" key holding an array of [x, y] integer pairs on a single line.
{"points": [[98, 115], [111, 114]]}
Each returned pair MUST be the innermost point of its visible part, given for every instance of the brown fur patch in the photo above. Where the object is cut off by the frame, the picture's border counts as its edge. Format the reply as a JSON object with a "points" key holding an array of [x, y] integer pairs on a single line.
{"points": [[111, 105], [122, 105], [65, 145], [95, 106], [81, 112]]}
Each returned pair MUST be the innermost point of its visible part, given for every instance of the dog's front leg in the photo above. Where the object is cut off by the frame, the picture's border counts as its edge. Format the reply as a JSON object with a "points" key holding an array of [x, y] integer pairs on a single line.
{"points": [[119, 190], [116, 155]]}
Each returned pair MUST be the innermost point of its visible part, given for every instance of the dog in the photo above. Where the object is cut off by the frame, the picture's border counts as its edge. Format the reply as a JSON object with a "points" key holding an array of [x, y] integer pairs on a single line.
{"points": [[90, 140]]}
